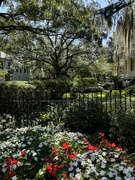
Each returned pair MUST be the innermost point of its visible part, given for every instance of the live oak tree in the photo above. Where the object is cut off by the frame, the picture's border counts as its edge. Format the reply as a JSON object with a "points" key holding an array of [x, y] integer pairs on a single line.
{"points": [[31, 11], [53, 33], [62, 34]]}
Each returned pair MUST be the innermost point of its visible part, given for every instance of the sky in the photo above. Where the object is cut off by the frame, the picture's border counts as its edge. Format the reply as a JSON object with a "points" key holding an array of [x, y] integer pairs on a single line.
{"points": [[102, 2]]}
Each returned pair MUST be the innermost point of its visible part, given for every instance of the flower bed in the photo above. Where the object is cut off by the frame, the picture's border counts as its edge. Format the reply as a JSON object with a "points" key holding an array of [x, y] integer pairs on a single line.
{"points": [[47, 153]]}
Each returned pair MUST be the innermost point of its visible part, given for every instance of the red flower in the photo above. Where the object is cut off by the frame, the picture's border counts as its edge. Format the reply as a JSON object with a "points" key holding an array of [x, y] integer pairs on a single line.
{"points": [[10, 173], [113, 145], [85, 140], [64, 175], [15, 162], [8, 160], [49, 169], [72, 156], [123, 158], [65, 145], [22, 153], [54, 149], [90, 147], [52, 170], [102, 135], [108, 145]]}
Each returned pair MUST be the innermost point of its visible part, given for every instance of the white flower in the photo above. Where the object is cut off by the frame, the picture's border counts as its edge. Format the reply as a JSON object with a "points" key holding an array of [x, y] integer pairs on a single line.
{"points": [[103, 165], [40, 145], [78, 170], [86, 175], [22, 138], [103, 153], [83, 163], [118, 178], [71, 164], [102, 173], [112, 160], [78, 176], [14, 178], [28, 142], [4, 169], [110, 174], [93, 157], [14, 166], [56, 158], [31, 139], [130, 169], [23, 145], [121, 168], [70, 168], [75, 164], [71, 175], [35, 158]]}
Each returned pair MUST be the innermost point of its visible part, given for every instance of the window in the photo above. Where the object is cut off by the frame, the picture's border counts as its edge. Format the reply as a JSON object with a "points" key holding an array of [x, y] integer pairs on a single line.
{"points": [[9, 64]]}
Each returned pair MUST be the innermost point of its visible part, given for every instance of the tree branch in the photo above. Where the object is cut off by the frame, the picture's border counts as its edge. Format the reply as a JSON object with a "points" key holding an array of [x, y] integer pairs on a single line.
{"points": [[113, 8]]}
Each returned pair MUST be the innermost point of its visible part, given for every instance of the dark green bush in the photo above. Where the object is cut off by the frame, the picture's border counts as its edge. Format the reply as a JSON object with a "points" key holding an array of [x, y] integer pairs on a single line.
{"points": [[108, 85], [55, 87], [122, 129], [15, 86], [83, 82], [86, 117]]}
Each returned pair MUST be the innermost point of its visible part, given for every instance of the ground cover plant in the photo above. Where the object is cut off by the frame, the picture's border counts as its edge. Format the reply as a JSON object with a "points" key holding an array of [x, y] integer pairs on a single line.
{"points": [[52, 154]]}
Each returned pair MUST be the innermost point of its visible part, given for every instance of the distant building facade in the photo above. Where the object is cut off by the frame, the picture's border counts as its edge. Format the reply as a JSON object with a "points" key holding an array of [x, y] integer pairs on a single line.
{"points": [[124, 58], [18, 74]]}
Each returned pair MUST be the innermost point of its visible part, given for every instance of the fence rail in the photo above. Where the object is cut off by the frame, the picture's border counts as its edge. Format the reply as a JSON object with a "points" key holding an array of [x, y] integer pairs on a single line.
{"points": [[19, 109]]}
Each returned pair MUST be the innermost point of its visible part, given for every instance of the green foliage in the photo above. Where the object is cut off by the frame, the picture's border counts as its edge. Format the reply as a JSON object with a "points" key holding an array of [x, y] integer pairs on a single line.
{"points": [[55, 87], [7, 121], [15, 89], [3, 73], [86, 117], [53, 115], [122, 129], [84, 82], [16, 86], [107, 85], [59, 33]]}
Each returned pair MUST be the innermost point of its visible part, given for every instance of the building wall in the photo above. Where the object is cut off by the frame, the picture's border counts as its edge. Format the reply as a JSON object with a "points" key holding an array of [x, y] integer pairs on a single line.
{"points": [[7, 64], [21, 74]]}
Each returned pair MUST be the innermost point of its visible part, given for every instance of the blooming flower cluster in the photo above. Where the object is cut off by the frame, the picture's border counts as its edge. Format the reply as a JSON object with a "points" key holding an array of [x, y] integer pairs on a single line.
{"points": [[46, 153]]}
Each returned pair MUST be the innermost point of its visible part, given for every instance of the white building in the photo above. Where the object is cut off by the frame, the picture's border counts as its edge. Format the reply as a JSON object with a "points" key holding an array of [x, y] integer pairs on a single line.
{"points": [[19, 74]]}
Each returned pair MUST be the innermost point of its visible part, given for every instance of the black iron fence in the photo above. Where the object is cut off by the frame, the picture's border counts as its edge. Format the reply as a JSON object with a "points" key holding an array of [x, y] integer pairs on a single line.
{"points": [[19, 109]]}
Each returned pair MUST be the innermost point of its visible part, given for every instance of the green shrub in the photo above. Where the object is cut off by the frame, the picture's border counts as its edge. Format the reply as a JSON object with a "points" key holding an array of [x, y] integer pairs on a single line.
{"points": [[55, 87], [122, 129], [108, 85], [16, 86], [86, 117], [84, 82]]}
